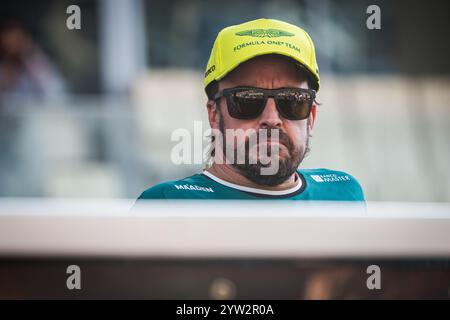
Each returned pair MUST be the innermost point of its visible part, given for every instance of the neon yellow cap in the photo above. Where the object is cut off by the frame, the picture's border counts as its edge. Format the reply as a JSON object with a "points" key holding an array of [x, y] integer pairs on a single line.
{"points": [[239, 43]]}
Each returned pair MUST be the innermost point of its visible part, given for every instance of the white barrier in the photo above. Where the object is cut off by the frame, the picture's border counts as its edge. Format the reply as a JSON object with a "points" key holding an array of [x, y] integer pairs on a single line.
{"points": [[104, 228]]}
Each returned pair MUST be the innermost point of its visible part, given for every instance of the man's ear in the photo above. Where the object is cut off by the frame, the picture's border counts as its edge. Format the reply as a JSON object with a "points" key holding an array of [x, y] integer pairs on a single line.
{"points": [[312, 116], [213, 114]]}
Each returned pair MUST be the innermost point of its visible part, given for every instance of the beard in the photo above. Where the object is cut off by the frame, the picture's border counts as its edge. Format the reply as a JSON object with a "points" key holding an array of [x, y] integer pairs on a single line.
{"points": [[287, 165]]}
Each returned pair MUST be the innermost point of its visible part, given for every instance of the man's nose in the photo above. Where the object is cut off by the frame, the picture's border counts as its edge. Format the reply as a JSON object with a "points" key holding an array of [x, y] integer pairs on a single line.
{"points": [[270, 116]]}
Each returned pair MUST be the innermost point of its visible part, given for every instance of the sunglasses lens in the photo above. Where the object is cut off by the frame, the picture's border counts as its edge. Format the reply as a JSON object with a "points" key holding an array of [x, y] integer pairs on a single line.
{"points": [[294, 105], [246, 104]]}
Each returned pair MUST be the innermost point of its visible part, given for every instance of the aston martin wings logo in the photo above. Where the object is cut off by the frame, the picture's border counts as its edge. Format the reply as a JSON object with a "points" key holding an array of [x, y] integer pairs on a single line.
{"points": [[261, 33]]}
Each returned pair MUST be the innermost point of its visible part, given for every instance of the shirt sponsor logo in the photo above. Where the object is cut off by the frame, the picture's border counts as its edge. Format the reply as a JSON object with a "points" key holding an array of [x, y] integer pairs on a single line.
{"points": [[193, 188], [329, 177]]}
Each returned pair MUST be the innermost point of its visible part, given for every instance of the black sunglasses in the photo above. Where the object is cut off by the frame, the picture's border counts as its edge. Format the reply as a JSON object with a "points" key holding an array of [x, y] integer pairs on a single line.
{"points": [[249, 102]]}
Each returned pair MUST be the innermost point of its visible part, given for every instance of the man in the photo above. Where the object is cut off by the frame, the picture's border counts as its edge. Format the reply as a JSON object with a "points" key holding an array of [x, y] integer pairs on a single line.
{"points": [[261, 81], [25, 71]]}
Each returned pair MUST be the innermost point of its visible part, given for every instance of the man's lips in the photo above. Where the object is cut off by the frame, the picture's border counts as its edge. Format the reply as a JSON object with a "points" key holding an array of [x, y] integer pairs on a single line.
{"points": [[269, 142]]}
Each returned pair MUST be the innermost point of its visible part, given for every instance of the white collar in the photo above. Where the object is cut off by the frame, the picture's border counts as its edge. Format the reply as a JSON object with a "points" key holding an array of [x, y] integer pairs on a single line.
{"points": [[256, 190]]}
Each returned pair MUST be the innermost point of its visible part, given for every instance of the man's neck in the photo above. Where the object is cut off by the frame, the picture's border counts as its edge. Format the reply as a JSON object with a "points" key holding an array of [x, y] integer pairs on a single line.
{"points": [[230, 174]]}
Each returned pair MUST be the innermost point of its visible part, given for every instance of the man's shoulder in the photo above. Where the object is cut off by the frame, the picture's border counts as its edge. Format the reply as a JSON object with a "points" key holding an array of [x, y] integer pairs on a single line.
{"points": [[177, 188], [337, 184]]}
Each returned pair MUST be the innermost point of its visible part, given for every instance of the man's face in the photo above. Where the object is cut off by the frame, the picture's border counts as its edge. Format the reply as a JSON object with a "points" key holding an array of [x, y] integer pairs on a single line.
{"points": [[269, 72]]}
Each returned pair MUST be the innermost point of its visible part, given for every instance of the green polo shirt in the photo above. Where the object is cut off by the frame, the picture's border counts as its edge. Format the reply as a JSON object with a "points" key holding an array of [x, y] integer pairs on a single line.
{"points": [[313, 184]]}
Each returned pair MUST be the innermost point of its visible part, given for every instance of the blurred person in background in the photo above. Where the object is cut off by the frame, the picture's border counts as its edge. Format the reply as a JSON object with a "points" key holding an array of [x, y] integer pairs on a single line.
{"points": [[25, 71], [27, 78], [261, 75]]}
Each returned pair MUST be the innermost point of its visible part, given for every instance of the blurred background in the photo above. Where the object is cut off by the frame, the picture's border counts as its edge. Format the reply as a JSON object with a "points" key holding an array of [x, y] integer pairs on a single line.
{"points": [[90, 112]]}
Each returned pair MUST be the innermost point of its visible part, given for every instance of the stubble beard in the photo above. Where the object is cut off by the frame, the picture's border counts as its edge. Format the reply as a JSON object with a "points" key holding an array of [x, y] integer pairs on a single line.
{"points": [[287, 165]]}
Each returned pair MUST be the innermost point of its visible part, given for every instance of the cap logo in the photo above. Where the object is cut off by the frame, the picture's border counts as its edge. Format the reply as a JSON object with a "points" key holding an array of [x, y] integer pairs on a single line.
{"points": [[261, 33]]}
